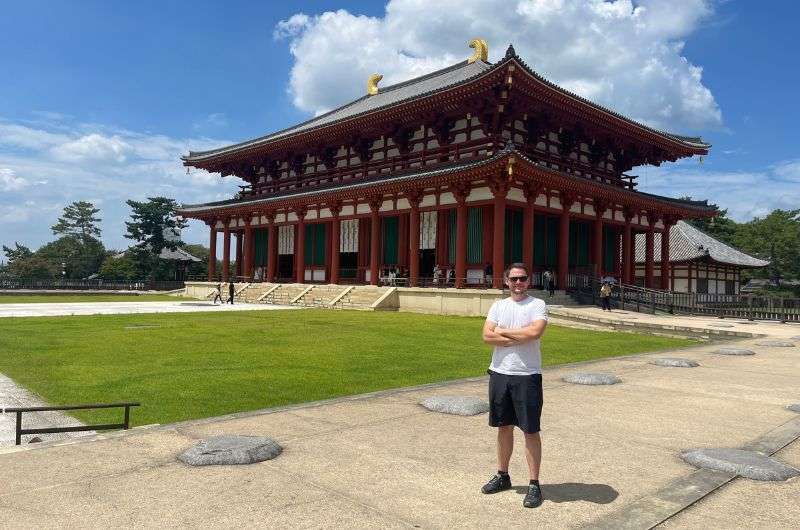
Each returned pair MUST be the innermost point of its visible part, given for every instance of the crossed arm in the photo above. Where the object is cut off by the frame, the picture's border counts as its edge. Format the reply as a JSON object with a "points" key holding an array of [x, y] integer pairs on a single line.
{"points": [[497, 336]]}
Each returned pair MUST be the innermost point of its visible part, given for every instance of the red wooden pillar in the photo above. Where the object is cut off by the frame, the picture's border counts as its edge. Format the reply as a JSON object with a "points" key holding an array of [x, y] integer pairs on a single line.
{"points": [[649, 263], [460, 193], [249, 247], [238, 252], [599, 210], [374, 240], [300, 250], [528, 216], [665, 265], [627, 249], [500, 190], [212, 251], [413, 238], [226, 251], [335, 208], [272, 248], [563, 240]]}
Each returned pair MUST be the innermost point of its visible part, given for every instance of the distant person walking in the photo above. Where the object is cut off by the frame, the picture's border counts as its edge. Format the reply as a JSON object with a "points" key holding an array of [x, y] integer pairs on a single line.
{"points": [[231, 291], [514, 326], [218, 294], [487, 274], [549, 282], [605, 296]]}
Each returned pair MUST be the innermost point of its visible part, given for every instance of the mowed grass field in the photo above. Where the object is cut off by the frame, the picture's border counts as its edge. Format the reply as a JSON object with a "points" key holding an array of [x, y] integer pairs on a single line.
{"points": [[194, 365], [62, 298]]}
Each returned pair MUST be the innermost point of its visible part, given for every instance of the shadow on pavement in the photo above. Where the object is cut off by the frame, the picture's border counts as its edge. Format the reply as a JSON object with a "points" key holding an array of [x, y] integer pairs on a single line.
{"points": [[575, 491]]}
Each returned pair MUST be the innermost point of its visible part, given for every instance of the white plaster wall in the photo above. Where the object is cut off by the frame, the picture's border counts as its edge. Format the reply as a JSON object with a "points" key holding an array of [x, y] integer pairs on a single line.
{"points": [[555, 202], [348, 210], [681, 285], [541, 200], [588, 209], [428, 200], [447, 198], [362, 208], [618, 216], [516, 194], [607, 215], [576, 208], [480, 194], [325, 213], [280, 218], [387, 206], [291, 216], [402, 204], [312, 214]]}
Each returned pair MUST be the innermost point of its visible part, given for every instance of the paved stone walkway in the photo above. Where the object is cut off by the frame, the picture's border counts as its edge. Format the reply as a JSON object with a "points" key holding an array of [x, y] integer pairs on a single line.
{"points": [[13, 395], [383, 461]]}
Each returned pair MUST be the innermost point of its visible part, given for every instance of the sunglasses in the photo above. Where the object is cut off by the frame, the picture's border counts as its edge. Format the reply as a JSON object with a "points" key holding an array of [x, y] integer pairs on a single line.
{"points": [[521, 279]]}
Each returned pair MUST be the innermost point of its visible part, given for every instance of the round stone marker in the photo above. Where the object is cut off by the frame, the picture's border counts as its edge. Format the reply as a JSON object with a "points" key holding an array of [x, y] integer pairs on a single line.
{"points": [[776, 343], [458, 405], [721, 325], [734, 351], [794, 408], [231, 449], [677, 362], [584, 378], [748, 464]]}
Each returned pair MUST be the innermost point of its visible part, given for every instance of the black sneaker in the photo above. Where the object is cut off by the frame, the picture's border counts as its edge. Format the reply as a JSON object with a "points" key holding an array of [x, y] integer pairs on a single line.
{"points": [[533, 498], [497, 483]]}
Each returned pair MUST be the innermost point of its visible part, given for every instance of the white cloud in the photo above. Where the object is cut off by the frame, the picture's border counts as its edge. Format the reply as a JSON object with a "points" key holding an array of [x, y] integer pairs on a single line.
{"points": [[41, 171], [620, 54], [93, 147], [745, 194], [9, 181]]}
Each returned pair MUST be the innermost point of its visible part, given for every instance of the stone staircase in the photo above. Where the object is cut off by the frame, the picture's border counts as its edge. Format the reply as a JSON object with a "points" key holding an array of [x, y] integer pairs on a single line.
{"points": [[361, 297], [253, 293], [559, 298]]}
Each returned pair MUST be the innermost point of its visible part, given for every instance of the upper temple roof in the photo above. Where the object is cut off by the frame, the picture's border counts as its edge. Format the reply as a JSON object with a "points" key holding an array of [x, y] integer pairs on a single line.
{"points": [[394, 95], [687, 243]]}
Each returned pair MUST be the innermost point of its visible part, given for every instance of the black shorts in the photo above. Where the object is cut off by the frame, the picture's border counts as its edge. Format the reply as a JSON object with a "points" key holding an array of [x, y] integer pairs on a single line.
{"points": [[515, 400]]}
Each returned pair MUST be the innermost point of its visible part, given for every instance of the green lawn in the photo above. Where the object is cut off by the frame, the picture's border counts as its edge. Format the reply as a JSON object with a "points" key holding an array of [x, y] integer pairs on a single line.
{"points": [[193, 365], [60, 298]]}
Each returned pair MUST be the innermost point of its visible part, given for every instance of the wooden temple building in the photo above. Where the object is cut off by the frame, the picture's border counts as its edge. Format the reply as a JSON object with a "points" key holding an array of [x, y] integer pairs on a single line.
{"points": [[698, 263], [471, 166]]}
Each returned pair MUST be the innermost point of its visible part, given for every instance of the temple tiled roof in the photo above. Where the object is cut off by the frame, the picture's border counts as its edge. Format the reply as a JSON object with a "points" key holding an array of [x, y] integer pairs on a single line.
{"points": [[386, 97], [687, 243], [420, 87]]}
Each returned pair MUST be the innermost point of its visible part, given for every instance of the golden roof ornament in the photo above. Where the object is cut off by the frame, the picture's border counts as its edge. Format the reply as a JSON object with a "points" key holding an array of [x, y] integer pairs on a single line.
{"points": [[372, 84], [481, 51]]}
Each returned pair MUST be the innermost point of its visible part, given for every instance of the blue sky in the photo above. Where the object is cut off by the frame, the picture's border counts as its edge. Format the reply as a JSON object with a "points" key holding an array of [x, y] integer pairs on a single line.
{"points": [[99, 99]]}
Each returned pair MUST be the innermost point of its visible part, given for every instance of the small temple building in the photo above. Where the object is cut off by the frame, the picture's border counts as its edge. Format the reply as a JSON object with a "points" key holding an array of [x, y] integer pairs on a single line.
{"points": [[698, 263], [466, 169]]}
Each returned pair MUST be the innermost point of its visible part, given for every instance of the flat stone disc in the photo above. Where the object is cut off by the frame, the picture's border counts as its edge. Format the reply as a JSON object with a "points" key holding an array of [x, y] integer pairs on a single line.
{"points": [[585, 378], [458, 405], [734, 351], [776, 343], [748, 464], [229, 450], [794, 408], [721, 325], [677, 362]]}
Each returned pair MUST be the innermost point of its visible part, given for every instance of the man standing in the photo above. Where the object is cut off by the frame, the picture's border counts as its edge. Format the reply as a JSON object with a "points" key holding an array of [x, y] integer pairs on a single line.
{"points": [[514, 326], [231, 292]]}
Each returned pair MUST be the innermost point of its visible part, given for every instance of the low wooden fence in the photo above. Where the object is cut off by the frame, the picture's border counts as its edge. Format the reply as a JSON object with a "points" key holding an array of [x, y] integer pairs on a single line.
{"points": [[89, 285]]}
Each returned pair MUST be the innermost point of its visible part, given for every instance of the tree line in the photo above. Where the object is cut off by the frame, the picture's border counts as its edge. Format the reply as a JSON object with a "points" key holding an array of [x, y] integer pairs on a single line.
{"points": [[774, 237], [78, 253]]}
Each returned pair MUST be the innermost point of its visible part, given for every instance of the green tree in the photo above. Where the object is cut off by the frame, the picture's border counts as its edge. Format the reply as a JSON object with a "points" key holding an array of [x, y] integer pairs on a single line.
{"points": [[154, 226], [78, 220], [79, 258], [19, 252], [116, 267], [33, 268], [776, 237], [201, 268]]}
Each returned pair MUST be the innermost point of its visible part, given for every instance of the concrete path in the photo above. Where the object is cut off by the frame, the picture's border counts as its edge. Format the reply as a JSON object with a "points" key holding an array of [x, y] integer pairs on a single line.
{"points": [[180, 305], [382, 461], [13, 395]]}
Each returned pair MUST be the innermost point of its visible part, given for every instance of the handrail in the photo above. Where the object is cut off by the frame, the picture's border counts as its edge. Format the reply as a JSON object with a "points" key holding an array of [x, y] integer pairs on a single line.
{"points": [[19, 431]]}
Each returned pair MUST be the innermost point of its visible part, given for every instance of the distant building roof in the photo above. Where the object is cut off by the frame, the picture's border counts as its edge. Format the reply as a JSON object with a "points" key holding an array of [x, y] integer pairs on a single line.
{"points": [[178, 255], [687, 243]]}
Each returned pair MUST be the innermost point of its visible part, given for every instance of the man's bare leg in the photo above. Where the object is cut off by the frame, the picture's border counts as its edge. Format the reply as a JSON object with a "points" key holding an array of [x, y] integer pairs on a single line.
{"points": [[533, 454], [505, 445]]}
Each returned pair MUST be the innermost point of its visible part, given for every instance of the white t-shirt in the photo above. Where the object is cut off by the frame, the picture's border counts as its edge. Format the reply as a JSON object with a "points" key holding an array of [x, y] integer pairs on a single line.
{"points": [[520, 359]]}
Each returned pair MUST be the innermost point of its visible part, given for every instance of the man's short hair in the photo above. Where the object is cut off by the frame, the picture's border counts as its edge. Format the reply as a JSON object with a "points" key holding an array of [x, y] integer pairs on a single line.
{"points": [[516, 266]]}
